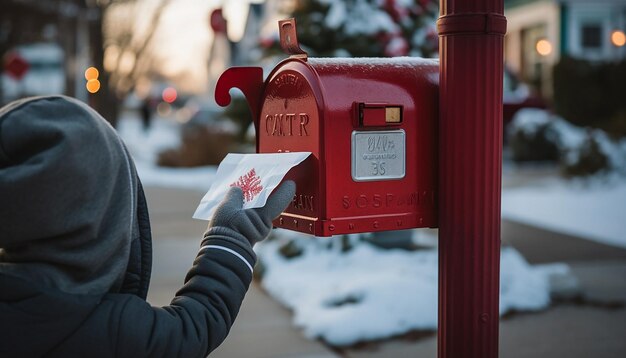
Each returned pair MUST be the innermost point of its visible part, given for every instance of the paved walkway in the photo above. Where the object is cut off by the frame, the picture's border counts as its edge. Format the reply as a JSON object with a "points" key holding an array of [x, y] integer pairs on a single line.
{"points": [[595, 327]]}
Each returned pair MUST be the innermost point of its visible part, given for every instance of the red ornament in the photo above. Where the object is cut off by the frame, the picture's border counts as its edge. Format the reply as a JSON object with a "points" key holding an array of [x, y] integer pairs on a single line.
{"points": [[218, 22], [250, 183], [15, 66]]}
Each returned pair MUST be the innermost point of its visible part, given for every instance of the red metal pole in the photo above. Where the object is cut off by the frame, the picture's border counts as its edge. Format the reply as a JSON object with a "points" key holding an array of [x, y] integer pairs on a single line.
{"points": [[471, 34]]}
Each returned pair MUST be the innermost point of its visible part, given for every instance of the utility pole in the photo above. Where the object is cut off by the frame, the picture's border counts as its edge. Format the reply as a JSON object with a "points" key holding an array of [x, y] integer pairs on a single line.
{"points": [[471, 35]]}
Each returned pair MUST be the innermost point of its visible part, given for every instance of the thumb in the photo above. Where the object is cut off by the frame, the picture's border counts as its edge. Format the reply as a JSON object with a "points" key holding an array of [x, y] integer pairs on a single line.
{"points": [[278, 201]]}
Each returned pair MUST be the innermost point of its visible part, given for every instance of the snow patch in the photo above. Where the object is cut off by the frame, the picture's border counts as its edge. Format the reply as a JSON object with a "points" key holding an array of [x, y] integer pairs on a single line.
{"points": [[360, 18], [591, 209], [344, 298], [336, 15], [144, 147], [399, 62]]}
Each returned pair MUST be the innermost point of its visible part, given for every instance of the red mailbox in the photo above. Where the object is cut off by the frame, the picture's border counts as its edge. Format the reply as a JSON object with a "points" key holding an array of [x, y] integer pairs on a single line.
{"points": [[371, 125]]}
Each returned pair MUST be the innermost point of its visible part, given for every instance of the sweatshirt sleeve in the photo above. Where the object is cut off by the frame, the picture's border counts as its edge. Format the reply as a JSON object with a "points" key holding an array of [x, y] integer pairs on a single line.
{"points": [[197, 320]]}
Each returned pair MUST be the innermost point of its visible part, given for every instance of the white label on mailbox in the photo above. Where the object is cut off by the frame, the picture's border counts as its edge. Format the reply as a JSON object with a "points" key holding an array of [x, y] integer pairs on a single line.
{"points": [[378, 155]]}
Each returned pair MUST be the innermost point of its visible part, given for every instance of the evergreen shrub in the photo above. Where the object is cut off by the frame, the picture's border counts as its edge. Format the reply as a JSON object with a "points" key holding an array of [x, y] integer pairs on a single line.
{"points": [[536, 135], [592, 94], [589, 159], [200, 145]]}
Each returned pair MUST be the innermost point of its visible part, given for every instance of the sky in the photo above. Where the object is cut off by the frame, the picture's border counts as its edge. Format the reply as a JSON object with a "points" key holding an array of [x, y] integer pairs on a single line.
{"points": [[184, 37], [186, 34]]}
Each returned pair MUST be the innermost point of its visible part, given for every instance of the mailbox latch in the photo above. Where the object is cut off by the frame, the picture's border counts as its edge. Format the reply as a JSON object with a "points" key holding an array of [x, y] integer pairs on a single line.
{"points": [[379, 114]]}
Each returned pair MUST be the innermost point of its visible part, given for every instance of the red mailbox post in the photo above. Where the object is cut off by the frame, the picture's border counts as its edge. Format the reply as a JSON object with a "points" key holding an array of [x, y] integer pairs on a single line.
{"points": [[470, 155]]}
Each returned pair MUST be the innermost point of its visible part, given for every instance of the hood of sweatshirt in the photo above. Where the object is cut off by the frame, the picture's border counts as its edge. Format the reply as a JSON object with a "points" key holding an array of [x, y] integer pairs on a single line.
{"points": [[73, 216]]}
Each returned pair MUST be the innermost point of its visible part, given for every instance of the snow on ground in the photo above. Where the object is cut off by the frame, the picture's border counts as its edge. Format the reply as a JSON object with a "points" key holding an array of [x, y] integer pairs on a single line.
{"points": [[370, 293], [144, 147], [593, 209]]}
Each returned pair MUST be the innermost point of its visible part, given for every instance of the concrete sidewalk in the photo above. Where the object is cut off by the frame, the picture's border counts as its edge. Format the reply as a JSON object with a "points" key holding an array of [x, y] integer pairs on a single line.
{"points": [[594, 327]]}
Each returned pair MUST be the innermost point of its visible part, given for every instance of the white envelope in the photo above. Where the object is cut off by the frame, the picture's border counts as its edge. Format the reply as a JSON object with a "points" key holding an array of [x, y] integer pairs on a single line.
{"points": [[256, 174]]}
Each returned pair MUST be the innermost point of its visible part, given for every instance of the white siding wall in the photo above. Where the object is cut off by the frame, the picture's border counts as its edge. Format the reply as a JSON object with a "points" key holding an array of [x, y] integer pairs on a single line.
{"points": [[540, 13], [609, 15]]}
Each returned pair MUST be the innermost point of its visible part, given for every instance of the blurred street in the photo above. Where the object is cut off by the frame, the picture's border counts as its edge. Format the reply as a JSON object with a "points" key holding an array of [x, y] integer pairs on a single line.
{"points": [[591, 325]]}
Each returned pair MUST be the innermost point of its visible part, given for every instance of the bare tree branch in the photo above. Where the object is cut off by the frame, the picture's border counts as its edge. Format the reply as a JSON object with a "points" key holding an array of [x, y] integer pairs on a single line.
{"points": [[124, 83]]}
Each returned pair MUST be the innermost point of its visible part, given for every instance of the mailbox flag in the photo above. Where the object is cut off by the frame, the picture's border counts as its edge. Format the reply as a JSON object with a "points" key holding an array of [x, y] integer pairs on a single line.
{"points": [[256, 174]]}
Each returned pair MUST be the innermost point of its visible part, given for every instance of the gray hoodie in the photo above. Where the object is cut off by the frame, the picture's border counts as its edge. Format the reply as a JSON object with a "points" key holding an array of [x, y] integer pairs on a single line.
{"points": [[69, 198], [75, 246]]}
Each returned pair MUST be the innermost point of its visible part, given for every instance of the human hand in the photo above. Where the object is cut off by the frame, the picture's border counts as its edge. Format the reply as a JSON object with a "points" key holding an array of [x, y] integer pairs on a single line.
{"points": [[254, 224]]}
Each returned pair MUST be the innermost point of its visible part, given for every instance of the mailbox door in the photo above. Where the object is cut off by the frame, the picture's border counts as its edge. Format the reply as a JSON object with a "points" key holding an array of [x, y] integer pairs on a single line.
{"points": [[291, 120]]}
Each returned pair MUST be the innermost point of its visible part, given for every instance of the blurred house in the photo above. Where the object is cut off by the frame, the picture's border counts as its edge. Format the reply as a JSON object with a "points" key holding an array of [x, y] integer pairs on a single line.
{"points": [[55, 38], [247, 48], [261, 23], [540, 32], [45, 74], [243, 46]]}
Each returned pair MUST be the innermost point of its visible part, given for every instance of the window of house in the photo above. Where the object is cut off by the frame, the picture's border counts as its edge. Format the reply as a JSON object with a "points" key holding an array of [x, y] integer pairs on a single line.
{"points": [[591, 36]]}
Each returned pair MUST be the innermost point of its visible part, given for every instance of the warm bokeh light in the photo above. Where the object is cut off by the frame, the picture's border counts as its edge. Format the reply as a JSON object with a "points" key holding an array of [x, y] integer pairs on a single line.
{"points": [[92, 74], [93, 86], [543, 47], [618, 38], [169, 94], [111, 53], [126, 62], [164, 109]]}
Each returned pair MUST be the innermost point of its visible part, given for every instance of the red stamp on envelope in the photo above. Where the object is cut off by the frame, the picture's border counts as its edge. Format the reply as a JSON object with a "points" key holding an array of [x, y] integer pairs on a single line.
{"points": [[250, 183]]}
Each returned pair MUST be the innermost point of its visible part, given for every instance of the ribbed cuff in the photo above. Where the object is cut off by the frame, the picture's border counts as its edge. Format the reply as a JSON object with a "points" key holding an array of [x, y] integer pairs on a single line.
{"points": [[231, 236]]}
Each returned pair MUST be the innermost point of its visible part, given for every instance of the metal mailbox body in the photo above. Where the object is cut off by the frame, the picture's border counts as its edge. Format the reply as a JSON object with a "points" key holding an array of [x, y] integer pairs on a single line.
{"points": [[314, 105], [370, 124]]}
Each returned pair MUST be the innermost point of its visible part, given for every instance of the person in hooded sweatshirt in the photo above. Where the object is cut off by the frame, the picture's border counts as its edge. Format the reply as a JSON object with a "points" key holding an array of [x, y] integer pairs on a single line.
{"points": [[75, 245]]}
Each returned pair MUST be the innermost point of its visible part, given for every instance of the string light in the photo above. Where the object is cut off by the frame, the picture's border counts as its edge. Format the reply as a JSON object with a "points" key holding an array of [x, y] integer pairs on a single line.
{"points": [[91, 75], [93, 86]]}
